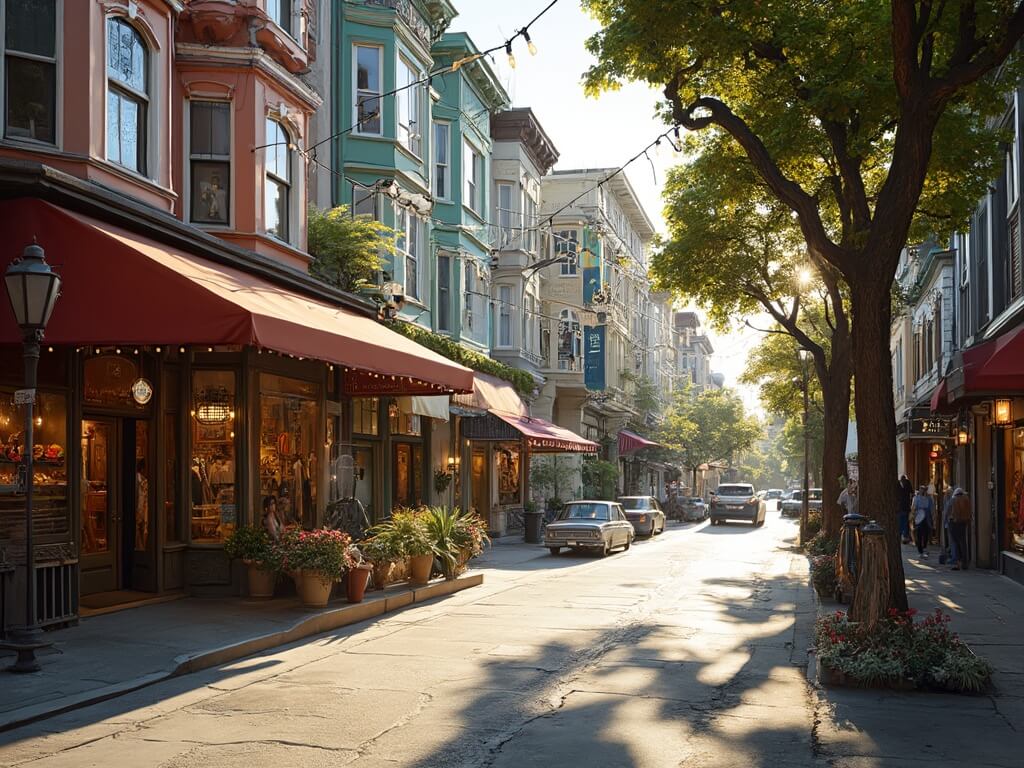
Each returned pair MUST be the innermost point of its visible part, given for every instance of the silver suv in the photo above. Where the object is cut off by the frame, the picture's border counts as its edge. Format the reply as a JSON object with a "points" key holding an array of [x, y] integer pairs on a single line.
{"points": [[737, 501]]}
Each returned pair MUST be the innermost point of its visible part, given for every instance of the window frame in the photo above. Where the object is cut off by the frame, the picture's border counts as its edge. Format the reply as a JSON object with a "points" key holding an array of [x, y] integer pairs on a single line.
{"points": [[127, 93], [357, 123], [409, 244], [283, 17], [443, 171], [560, 244], [444, 292], [409, 101], [286, 183], [192, 158], [473, 178], [58, 79], [505, 316], [506, 212]]}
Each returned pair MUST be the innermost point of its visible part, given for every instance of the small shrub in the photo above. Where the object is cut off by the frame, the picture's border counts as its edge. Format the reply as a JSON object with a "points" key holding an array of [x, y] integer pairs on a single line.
{"points": [[406, 530], [822, 545], [321, 551], [252, 544], [813, 523], [823, 574]]}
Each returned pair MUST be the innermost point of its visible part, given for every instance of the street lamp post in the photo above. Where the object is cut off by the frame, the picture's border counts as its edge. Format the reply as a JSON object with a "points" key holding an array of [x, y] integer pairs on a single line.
{"points": [[32, 288], [805, 355]]}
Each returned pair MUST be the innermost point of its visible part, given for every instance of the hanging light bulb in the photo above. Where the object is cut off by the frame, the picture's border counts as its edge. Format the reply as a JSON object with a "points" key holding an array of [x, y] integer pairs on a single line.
{"points": [[511, 56], [529, 43]]}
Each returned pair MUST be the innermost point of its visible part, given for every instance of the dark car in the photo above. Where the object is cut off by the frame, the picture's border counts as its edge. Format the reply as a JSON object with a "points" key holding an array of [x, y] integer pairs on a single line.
{"points": [[645, 513], [600, 525], [737, 501], [694, 508]]}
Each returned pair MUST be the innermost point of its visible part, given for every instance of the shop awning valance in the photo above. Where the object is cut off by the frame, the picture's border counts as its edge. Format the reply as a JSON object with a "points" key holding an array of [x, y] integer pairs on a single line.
{"points": [[544, 437], [121, 288], [630, 442], [492, 394], [992, 368]]}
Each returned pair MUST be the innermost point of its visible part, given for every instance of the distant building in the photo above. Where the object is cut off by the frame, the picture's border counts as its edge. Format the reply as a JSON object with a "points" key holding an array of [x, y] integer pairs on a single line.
{"points": [[693, 353]]}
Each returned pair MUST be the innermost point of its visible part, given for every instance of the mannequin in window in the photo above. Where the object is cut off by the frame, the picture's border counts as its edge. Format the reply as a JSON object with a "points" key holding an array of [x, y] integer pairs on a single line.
{"points": [[271, 522]]}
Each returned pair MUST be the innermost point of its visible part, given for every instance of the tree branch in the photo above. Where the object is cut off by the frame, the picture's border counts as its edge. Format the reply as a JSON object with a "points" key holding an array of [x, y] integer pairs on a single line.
{"points": [[971, 59]]}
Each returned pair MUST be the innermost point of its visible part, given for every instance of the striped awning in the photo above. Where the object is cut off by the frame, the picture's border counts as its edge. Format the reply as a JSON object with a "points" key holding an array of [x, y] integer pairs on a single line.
{"points": [[630, 442]]}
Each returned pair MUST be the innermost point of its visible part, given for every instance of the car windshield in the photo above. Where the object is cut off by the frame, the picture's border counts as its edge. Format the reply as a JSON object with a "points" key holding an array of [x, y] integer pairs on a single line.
{"points": [[584, 512], [641, 503], [796, 496], [735, 490]]}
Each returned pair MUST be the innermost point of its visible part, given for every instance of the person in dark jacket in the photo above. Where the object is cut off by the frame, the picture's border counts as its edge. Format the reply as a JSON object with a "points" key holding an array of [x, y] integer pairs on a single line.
{"points": [[906, 490]]}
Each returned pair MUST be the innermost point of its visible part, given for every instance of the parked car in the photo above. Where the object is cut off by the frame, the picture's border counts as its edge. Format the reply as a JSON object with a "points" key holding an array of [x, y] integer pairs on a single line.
{"points": [[600, 525], [694, 508], [773, 496], [791, 506], [645, 513], [737, 501]]}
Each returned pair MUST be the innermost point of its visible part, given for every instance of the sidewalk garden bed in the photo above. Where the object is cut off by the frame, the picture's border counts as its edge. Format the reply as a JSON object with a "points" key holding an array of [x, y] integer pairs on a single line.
{"points": [[899, 653]]}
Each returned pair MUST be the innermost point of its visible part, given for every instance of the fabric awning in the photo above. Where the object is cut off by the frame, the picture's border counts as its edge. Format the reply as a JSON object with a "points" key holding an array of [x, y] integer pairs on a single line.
{"points": [[432, 406], [992, 368], [544, 437], [630, 442], [939, 402], [492, 394], [121, 288]]}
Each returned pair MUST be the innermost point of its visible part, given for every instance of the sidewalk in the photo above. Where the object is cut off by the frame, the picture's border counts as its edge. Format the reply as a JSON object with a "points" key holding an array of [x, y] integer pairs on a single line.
{"points": [[878, 727], [115, 653]]}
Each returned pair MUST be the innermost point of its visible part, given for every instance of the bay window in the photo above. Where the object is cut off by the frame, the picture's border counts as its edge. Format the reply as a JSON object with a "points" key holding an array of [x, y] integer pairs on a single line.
{"points": [[472, 171], [277, 181], [368, 67], [210, 161], [442, 166], [504, 316], [506, 216], [408, 107], [127, 95], [409, 245], [30, 70]]}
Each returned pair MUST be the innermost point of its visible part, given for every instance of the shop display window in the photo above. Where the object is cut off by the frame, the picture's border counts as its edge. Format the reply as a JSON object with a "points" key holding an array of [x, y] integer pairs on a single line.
{"points": [[1015, 497], [172, 517], [403, 423], [213, 470], [364, 415], [506, 456], [408, 475], [363, 477], [48, 450], [108, 382], [289, 420]]}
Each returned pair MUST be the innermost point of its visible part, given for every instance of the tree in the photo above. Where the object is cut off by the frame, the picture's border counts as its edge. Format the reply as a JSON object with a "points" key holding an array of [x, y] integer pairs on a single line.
{"points": [[346, 250], [871, 122], [736, 249], [706, 427]]}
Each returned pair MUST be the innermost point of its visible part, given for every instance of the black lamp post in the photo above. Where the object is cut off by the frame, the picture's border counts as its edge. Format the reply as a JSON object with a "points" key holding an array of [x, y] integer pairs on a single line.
{"points": [[805, 355], [32, 288]]}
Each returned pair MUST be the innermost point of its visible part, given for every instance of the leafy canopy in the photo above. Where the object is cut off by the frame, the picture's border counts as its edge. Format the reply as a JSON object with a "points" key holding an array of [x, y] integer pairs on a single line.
{"points": [[708, 426], [346, 250]]}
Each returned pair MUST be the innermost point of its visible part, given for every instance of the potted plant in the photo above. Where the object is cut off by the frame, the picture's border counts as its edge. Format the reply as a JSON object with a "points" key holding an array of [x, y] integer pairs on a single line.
{"points": [[411, 532], [253, 546], [470, 537], [357, 576], [442, 524], [316, 559], [382, 551]]}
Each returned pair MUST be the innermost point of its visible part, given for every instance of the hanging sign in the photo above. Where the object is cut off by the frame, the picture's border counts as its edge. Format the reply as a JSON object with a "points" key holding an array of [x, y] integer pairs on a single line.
{"points": [[24, 396], [142, 391], [593, 357]]}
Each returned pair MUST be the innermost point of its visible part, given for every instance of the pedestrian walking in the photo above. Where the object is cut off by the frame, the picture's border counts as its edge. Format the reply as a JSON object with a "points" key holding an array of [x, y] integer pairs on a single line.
{"points": [[906, 491], [923, 508], [959, 520]]}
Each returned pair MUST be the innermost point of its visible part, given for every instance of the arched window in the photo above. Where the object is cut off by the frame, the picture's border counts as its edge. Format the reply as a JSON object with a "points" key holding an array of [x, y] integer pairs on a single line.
{"points": [[277, 184], [127, 95], [570, 341]]}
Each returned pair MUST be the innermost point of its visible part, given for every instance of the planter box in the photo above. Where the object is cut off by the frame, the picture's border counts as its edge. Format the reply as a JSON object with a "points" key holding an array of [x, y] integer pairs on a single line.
{"points": [[836, 679]]}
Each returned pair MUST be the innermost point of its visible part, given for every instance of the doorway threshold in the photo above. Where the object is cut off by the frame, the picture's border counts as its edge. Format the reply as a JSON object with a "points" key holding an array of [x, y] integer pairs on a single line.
{"points": [[121, 600]]}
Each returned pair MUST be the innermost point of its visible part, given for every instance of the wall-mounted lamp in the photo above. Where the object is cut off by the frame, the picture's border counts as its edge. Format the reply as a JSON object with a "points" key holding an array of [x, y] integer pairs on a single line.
{"points": [[1003, 412], [962, 438]]}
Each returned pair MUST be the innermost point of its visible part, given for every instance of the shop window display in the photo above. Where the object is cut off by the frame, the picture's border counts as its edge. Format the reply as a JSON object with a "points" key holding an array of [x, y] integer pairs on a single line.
{"points": [[507, 457], [48, 451], [408, 475], [108, 382], [1015, 500], [289, 417], [364, 415], [212, 470]]}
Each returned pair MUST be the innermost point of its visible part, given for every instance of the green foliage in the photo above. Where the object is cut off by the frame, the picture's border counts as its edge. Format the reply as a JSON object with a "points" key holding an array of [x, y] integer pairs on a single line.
{"points": [[599, 478], [552, 475], [642, 398], [252, 544], [406, 532], [441, 524], [709, 426], [521, 380], [442, 480], [775, 367], [899, 649], [822, 545], [381, 550], [321, 551], [346, 250], [823, 574]]}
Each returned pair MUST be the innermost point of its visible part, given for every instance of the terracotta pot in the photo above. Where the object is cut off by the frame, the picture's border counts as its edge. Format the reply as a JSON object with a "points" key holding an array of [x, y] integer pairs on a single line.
{"points": [[380, 575], [261, 582], [355, 583], [420, 567], [314, 589]]}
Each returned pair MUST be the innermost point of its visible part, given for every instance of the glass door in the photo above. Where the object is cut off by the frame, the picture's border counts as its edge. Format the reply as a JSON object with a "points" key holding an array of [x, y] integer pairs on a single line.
{"points": [[138, 519], [101, 535], [480, 485]]}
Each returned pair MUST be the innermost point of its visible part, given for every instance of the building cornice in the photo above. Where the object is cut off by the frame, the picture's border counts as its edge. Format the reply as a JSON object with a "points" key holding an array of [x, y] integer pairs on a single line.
{"points": [[521, 125]]}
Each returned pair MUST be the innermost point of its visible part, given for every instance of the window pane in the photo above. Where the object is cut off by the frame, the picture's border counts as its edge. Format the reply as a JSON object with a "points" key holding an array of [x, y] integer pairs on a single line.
{"points": [[276, 209], [441, 142], [31, 26], [444, 279], [364, 202], [367, 69], [211, 128], [126, 55], [31, 99], [113, 127], [289, 448], [210, 192], [281, 13], [368, 113], [130, 133], [212, 469]]}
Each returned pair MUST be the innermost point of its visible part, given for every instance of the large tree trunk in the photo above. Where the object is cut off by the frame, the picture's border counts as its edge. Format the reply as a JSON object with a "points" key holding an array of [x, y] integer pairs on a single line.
{"points": [[876, 422]]}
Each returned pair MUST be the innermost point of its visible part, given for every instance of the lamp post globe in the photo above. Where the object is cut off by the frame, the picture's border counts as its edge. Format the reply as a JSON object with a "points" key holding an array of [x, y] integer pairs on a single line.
{"points": [[32, 288]]}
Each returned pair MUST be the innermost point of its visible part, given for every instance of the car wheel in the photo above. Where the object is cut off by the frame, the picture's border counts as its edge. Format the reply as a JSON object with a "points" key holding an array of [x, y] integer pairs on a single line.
{"points": [[554, 550], [629, 543], [606, 550]]}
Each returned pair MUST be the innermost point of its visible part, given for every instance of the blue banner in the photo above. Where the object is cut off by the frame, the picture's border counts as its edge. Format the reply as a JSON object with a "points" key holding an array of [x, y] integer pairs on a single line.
{"points": [[593, 357], [590, 262]]}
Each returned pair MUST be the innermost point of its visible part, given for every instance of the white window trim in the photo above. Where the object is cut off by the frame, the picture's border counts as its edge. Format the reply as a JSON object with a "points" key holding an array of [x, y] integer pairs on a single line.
{"points": [[506, 309], [565, 269], [452, 260], [58, 98], [469, 152], [153, 112], [187, 145], [446, 167], [412, 221], [358, 129], [294, 189], [403, 60], [507, 234]]}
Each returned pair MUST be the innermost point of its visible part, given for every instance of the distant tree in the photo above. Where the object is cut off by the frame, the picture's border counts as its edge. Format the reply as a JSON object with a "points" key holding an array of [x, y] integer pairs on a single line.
{"points": [[872, 122], [346, 250]]}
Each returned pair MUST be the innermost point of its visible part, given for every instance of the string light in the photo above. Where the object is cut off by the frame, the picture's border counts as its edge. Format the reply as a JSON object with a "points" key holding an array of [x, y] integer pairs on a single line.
{"points": [[181, 350], [511, 56], [49, 349], [159, 350], [529, 43]]}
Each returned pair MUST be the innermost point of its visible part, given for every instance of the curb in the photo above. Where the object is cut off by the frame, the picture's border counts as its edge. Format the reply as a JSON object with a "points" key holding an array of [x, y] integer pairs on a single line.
{"points": [[318, 623]]}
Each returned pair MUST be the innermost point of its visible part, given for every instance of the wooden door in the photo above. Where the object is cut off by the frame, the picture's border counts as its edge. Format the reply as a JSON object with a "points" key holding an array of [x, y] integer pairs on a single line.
{"points": [[100, 551]]}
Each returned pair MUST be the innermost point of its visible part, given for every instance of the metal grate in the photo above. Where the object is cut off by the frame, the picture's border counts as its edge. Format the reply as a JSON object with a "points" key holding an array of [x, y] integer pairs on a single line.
{"points": [[56, 593]]}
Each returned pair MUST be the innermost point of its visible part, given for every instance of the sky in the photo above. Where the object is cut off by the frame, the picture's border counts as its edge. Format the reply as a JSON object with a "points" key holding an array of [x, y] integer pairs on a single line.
{"points": [[599, 132]]}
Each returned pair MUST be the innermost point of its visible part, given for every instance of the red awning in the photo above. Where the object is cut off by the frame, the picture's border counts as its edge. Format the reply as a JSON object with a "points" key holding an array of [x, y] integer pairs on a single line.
{"points": [[992, 368], [630, 442], [544, 437], [492, 394], [120, 288], [939, 403]]}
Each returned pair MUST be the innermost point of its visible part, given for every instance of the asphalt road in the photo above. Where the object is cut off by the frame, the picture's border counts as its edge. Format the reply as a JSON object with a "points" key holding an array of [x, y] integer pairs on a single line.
{"points": [[687, 650]]}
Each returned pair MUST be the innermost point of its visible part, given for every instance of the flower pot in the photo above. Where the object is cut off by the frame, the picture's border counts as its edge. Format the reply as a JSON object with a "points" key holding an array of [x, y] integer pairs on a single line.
{"points": [[261, 582], [314, 589], [420, 567], [380, 575], [355, 583]]}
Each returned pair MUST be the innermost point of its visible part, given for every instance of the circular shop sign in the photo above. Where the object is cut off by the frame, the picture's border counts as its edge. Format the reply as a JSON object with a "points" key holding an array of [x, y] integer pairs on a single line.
{"points": [[142, 391]]}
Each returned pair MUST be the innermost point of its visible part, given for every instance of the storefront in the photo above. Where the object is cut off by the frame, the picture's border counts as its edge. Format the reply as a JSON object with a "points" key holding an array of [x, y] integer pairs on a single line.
{"points": [[640, 476], [175, 395]]}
